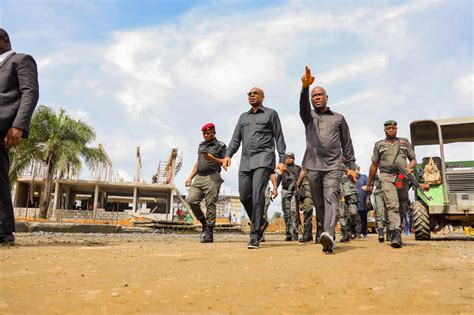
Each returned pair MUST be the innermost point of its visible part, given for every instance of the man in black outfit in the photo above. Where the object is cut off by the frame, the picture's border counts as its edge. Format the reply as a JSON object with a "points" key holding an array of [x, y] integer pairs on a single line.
{"points": [[328, 141], [258, 129], [18, 98]]}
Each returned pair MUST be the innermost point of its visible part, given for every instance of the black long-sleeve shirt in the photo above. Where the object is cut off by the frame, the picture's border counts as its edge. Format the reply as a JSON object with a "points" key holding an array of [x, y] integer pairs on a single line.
{"points": [[258, 132], [327, 138]]}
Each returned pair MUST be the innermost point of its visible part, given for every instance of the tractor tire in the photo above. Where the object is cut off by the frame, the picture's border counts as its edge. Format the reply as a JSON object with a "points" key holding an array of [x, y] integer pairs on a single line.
{"points": [[421, 221]]}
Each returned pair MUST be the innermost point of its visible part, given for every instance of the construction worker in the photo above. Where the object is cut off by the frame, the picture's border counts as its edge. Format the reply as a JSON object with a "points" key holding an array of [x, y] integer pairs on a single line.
{"points": [[205, 180], [388, 152]]}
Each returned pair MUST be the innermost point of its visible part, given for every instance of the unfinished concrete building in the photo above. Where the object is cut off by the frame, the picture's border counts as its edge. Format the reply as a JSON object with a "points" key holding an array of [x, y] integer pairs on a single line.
{"points": [[105, 197]]}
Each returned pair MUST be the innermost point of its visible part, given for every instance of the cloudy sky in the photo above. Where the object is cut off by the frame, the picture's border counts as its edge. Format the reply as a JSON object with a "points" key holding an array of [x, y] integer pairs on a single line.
{"points": [[151, 73]]}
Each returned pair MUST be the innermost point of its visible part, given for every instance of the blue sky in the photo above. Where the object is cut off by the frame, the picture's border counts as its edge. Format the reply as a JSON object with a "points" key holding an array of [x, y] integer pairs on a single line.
{"points": [[150, 73]]}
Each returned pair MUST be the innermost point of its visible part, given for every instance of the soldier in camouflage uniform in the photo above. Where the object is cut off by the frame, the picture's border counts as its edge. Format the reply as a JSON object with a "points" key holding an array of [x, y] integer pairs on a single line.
{"points": [[289, 200], [205, 181], [307, 205], [387, 153], [348, 211]]}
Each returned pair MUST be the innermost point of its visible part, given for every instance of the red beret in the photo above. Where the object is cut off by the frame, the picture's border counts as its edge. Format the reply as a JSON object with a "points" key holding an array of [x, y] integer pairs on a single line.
{"points": [[208, 126]]}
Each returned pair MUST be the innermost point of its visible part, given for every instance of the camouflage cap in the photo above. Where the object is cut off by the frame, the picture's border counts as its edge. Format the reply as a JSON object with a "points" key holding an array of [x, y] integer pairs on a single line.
{"points": [[290, 154], [390, 123]]}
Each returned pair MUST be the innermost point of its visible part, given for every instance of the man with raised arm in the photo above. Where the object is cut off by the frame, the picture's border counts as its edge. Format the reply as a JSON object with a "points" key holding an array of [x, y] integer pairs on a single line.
{"points": [[328, 141], [259, 130]]}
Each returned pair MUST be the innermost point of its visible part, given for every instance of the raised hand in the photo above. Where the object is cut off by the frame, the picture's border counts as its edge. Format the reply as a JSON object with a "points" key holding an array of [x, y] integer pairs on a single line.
{"points": [[307, 79]]}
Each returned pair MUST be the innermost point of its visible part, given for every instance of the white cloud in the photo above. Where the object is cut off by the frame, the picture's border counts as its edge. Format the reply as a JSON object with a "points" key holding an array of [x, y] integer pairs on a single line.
{"points": [[79, 114], [361, 67], [465, 87]]}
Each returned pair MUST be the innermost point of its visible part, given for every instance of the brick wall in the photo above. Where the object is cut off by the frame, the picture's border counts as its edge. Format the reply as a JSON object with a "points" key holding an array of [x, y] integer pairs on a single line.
{"points": [[101, 214]]}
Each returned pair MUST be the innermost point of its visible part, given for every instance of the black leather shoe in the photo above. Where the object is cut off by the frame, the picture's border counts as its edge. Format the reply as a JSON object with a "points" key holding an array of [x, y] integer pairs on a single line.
{"points": [[7, 239], [253, 243]]}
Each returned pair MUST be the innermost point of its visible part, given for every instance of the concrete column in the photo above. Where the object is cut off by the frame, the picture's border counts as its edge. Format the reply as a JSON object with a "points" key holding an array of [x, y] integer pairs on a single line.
{"points": [[169, 210], [96, 200], [67, 199], [135, 199], [56, 198]]}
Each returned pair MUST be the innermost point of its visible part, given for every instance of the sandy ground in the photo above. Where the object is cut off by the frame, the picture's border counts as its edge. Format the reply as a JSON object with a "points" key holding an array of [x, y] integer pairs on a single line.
{"points": [[153, 273]]}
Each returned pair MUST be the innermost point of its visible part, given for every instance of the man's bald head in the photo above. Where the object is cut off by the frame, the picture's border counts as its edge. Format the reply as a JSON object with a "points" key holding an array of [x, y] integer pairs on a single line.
{"points": [[5, 44], [319, 98], [256, 96]]}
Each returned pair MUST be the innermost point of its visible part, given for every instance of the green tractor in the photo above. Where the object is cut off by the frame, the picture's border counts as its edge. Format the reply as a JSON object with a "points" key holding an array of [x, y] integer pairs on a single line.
{"points": [[451, 199]]}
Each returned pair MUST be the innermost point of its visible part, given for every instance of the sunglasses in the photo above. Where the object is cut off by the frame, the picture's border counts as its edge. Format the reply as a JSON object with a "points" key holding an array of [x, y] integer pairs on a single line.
{"points": [[253, 93]]}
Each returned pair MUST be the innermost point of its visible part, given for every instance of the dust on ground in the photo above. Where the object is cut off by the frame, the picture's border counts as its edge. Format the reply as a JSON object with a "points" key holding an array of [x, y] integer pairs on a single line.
{"points": [[53, 273]]}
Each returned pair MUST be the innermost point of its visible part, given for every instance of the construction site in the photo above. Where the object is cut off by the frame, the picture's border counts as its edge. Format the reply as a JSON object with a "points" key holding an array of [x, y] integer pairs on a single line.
{"points": [[106, 199]]}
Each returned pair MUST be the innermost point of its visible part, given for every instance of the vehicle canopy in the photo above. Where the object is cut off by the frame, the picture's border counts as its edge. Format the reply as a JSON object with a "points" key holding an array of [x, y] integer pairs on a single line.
{"points": [[442, 131]]}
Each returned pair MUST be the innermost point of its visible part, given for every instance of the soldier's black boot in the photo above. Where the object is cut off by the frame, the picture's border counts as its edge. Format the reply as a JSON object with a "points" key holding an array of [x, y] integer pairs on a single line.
{"points": [[396, 239], [288, 236], [389, 236], [208, 234], [295, 237], [381, 236], [347, 235], [307, 234], [204, 227]]}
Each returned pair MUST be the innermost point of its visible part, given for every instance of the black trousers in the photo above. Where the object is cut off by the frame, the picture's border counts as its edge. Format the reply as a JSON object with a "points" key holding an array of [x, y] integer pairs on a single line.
{"points": [[363, 222], [252, 186], [7, 220]]}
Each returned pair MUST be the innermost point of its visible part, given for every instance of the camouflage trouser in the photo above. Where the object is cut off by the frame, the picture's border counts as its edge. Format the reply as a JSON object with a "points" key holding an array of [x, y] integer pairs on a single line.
{"points": [[267, 204], [207, 188], [348, 212], [289, 206], [307, 206], [380, 213], [396, 200]]}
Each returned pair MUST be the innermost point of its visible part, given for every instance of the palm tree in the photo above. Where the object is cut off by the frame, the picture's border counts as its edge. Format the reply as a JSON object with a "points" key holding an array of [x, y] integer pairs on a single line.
{"points": [[59, 142]]}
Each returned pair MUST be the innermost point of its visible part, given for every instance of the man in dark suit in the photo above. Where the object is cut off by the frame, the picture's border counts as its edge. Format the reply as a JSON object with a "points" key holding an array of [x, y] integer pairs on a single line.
{"points": [[18, 99]]}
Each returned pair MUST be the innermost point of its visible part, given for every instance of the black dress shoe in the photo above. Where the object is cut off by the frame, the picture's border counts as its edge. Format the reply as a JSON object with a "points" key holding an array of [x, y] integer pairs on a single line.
{"points": [[7, 239], [253, 244]]}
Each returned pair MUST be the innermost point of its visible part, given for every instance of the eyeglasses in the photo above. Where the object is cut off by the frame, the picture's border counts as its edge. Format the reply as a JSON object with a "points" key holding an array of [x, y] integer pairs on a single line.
{"points": [[253, 93]]}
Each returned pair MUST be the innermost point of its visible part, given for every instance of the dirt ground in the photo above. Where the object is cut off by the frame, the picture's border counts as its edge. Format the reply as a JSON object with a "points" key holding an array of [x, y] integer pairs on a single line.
{"points": [[49, 273]]}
